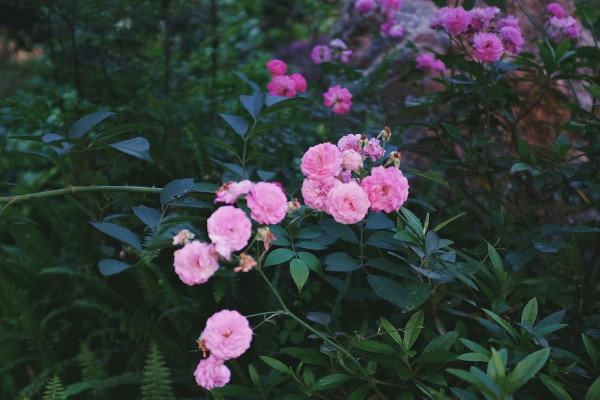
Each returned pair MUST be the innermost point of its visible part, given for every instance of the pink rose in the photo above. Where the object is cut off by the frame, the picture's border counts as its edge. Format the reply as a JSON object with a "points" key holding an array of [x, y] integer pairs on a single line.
{"points": [[212, 373], [512, 39], [510, 20], [314, 191], [481, 17], [374, 150], [352, 160], [300, 82], [320, 54], [387, 189], [364, 6], [277, 67], [321, 161], [227, 334], [268, 203], [456, 20], [338, 97], [488, 47], [391, 29], [195, 262], [556, 10], [229, 229], [349, 142], [438, 21], [230, 191], [427, 62], [345, 56], [560, 29], [347, 203], [282, 85]]}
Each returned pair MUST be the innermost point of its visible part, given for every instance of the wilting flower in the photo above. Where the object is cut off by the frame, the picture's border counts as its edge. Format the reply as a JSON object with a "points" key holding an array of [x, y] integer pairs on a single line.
{"points": [[246, 263], [183, 236], [481, 17], [264, 234], [512, 38]]}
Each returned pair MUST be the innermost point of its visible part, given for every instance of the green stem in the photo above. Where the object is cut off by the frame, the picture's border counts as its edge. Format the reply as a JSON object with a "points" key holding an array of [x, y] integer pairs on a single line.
{"points": [[287, 311], [78, 189]]}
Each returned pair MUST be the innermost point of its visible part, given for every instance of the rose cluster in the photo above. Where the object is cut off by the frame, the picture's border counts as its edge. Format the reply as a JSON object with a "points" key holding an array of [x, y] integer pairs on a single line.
{"points": [[489, 35], [338, 183], [384, 11], [336, 50], [227, 335], [560, 27], [428, 63], [282, 84], [229, 229]]}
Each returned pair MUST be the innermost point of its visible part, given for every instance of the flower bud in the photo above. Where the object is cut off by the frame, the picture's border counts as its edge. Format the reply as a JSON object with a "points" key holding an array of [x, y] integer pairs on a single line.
{"points": [[385, 134], [293, 206], [246, 263], [265, 235], [363, 143], [183, 237], [395, 158]]}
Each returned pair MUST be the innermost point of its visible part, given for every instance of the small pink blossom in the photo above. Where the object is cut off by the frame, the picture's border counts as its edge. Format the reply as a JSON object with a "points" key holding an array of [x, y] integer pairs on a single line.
{"points": [[510, 20], [512, 39], [456, 20], [387, 189], [374, 149], [267, 202], [345, 56], [212, 373], [364, 6], [184, 236], [556, 10], [391, 29], [282, 85], [481, 17], [560, 29], [314, 192], [347, 203], [338, 97], [352, 160], [300, 82], [277, 67], [349, 142], [227, 334], [438, 21], [428, 62], [229, 229], [321, 161], [320, 54], [488, 47], [195, 262], [293, 206], [230, 191]]}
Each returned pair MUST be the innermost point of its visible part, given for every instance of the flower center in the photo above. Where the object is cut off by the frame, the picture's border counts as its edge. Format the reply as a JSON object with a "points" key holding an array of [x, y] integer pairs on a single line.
{"points": [[227, 333]]}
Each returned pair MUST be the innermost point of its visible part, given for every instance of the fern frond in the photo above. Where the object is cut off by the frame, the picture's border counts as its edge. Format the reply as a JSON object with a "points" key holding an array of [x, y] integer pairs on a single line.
{"points": [[54, 389], [156, 382], [91, 368]]}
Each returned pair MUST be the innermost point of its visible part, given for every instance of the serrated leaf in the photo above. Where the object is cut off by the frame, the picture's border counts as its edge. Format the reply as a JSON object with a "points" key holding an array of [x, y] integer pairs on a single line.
{"points": [[239, 124], [278, 256], [299, 272], [137, 147], [118, 232], [84, 124], [109, 267]]}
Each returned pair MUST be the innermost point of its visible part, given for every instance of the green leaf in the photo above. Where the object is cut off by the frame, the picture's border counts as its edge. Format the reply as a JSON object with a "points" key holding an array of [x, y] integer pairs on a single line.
{"points": [[520, 166], [239, 124], [462, 394], [497, 264], [527, 368], [220, 143], [204, 187], [84, 124], [375, 347], [330, 382], [276, 364], [118, 232], [530, 312], [412, 221], [594, 90], [149, 216], [413, 328], [391, 330], [590, 348], [137, 147], [175, 189], [473, 346], [554, 387], [441, 343], [341, 262], [311, 261], [277, 103], [501, 4], [278, 256], [497, 364], [109, 267], [359, 393], [253, 104], [434, 176], [503, 324], [446, 222], [594, 392], [341, 231], [473, 357], [408, 296], [299, 272]]}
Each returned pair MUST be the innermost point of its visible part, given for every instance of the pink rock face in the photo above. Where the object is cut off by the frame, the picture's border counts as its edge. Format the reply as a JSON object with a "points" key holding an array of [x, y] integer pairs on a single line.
{"points": [[195, 262], [282, 85], [314, 192], [277, 67], [347, 203], [338, 97], [212, 373], [488, 47], [386, 188], [229, 229], [268, 203], [322, 161], [227, 334]]}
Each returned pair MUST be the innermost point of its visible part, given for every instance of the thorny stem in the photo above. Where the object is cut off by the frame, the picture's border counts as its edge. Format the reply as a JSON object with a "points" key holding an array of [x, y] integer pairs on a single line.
{"points": [[339, 348]]}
